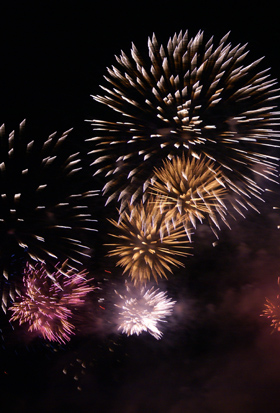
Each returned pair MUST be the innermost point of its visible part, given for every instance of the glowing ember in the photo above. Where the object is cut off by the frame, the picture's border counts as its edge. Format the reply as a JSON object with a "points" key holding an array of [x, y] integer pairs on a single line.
{"points": [[272, 311]]}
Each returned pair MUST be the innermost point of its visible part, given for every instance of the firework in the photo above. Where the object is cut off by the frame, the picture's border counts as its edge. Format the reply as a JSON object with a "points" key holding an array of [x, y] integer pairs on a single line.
{"points": [[42, 214], [142, 310], [189, 189], [191, 97], [272, 311], [49, 299], [147, 245]]}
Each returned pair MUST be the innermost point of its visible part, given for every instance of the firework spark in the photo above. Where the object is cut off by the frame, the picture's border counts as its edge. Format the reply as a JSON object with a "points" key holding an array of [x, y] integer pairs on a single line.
{"points": [[190, 97], [272, 311], [278, 226], [147, 245], [142, 310], [41, 214], [49, 299], [189, 189]]}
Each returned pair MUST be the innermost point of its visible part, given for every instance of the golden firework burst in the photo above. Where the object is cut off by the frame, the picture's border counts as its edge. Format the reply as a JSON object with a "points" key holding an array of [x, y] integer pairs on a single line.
{"points": [[189, 190], [147, 244]]}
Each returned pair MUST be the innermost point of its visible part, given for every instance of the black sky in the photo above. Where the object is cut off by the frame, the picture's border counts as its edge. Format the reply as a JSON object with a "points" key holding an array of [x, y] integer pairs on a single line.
{"points": [[217, 353]]}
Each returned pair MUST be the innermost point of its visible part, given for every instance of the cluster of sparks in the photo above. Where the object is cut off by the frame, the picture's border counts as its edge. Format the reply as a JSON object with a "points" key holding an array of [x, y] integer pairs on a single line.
{"points": [[49, 300], [191, 132], [41, 214], [141, 310]]}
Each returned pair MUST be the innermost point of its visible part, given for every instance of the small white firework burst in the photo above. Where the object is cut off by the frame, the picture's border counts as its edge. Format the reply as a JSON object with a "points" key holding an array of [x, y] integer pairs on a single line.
{"points": [[142, 310]]}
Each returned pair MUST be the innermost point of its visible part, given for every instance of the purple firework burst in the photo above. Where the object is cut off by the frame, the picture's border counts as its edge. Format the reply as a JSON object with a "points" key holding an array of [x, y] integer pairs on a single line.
{"points": [[48, 301]]}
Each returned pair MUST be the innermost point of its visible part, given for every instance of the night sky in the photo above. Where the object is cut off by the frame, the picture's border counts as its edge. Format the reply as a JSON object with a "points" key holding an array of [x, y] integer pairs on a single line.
{"points": [[217, 354]]}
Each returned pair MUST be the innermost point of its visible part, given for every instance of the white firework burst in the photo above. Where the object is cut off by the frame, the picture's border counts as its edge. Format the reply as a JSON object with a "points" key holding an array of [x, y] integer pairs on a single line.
{"points": [[189, 97], [141, 310]]}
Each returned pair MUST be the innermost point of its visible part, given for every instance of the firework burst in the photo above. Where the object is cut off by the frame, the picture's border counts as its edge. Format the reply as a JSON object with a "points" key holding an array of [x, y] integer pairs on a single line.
{"points": [[272, 311], [49, 300], [191, 97], [147, 244], [44, 215], [189, 189], [141, 310]]}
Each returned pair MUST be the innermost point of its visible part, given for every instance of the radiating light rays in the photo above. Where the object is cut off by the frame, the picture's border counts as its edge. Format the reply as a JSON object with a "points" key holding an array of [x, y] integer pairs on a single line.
{"points": [[193, 128], [147, 245], [142, 309], [189, 190], [45, 212], [193, 97], [48, 301]]}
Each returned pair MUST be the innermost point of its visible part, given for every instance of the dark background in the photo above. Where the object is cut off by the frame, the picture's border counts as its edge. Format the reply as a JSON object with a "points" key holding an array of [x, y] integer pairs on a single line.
{"points": [[217, 353]]}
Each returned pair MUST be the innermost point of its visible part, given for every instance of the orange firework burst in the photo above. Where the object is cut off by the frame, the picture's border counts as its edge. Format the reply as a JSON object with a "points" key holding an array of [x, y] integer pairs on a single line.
{"points": [[147, 244], [49, 300], [190, 190], [272, 311]]}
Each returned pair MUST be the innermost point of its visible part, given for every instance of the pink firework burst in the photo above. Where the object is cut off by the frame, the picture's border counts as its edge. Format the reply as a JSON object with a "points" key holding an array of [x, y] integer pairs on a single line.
{"points": [[49, 299]]}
